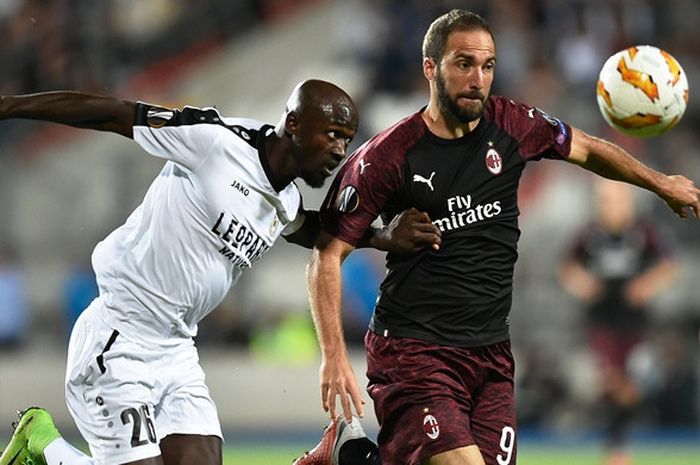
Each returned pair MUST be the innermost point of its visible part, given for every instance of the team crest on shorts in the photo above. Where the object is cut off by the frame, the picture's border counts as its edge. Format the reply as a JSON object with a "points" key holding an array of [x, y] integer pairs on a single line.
{"points": [[431, 426]]}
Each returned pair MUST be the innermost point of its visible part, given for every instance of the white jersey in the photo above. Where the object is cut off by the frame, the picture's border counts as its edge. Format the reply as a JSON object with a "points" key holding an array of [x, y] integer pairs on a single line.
{"points": [[209, 214]]}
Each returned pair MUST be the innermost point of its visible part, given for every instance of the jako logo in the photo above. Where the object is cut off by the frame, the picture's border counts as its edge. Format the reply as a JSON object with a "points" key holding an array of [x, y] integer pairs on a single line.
{"points": [[237, 185], [431, 426]]}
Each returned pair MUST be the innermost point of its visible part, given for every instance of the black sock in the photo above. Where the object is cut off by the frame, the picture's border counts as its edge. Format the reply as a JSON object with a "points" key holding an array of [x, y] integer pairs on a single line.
{"points": [[359, 452]]}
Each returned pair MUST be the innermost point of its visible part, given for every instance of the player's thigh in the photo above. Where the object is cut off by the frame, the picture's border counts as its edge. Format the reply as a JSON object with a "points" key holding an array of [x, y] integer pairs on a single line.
{"points": [[188, 449], [421, 401], [186, 407], [469, 455], [493, 418], [110, 394]]}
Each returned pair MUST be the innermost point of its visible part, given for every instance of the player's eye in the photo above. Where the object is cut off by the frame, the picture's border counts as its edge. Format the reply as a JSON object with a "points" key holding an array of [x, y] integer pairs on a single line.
{"points": [[335, 135]]}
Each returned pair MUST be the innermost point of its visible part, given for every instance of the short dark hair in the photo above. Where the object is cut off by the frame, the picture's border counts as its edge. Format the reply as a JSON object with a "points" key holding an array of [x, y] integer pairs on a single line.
{"points": [[435, 39]]}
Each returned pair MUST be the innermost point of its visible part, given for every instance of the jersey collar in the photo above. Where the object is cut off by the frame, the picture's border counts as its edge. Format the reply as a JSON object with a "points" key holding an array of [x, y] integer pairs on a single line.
{"points": [[262, 155], [473, 134]]}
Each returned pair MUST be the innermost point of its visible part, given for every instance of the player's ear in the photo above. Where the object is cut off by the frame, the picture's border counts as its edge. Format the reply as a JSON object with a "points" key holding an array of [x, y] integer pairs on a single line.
{"points": [[429, 68], [291, 123]]}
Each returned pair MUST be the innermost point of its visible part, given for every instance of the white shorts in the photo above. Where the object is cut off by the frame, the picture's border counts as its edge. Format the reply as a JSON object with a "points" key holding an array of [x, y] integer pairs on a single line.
{"points": [[125, 396]]}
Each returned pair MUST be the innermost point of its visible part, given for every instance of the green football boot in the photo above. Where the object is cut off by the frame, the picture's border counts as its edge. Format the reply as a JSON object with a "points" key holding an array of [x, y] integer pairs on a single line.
{"points": [[33, 432]]}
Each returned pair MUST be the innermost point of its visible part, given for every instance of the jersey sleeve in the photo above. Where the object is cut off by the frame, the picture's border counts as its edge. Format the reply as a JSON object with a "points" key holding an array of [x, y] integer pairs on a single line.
{"points": [[298, 221], [183, 136], [294, 226], [539, 134], [360, 191]]}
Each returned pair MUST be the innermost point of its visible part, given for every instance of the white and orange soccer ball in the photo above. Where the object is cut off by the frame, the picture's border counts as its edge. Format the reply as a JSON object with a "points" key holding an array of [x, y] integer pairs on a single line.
{"points": [[642, 91]]}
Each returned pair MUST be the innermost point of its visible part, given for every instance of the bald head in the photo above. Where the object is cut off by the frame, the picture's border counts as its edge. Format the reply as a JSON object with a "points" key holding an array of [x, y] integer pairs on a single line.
{"points": [[313, 134], [314, 98], [615, 204]]}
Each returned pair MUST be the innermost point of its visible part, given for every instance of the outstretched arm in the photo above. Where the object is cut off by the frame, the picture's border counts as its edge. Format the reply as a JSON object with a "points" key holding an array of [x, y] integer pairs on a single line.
{"points": [[612, 162], [324, 282], [76, 109]]}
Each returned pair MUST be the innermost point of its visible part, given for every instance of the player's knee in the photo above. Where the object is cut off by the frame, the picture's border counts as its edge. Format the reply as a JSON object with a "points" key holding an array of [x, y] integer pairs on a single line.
{"points": [[186, 449]]}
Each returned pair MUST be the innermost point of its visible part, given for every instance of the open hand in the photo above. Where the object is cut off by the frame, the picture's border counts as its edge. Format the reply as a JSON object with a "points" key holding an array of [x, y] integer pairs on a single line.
{"points": [[337, 380], [411, 231], [681, 195]]}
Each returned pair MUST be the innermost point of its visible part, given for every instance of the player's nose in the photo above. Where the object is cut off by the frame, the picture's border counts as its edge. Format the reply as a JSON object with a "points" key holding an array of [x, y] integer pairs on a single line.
{"points": [[341, 148], [478, 78]]}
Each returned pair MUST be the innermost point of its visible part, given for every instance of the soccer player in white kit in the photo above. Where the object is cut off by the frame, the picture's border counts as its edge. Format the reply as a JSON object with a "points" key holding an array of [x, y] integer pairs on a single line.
{"points": [[225, 194]]}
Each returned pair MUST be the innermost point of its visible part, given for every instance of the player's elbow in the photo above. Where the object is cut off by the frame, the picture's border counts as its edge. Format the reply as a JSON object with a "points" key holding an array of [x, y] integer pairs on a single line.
{"points": [[327, 253], [314, 267], [582, 145]]}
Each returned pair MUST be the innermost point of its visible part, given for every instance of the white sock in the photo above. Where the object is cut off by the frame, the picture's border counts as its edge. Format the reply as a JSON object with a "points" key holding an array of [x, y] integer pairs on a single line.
{"points": [[60, 452]]}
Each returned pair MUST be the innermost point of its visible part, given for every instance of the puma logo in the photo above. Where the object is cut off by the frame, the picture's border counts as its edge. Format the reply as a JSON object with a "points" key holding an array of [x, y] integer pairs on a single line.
{"points": [[428, 181], [363, 165]]}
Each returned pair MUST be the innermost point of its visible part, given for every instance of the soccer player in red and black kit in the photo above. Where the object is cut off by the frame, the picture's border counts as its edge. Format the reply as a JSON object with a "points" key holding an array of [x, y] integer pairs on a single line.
{"points": [[440, 366], [618, 263]]}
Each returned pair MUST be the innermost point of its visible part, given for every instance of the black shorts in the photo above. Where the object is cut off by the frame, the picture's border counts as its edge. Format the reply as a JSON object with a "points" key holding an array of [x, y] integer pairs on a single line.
{"points": [[430, 399]]}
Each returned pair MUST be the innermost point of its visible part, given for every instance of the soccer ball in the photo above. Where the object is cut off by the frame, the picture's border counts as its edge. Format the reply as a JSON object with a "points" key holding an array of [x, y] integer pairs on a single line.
{"points": [[642, 91]]}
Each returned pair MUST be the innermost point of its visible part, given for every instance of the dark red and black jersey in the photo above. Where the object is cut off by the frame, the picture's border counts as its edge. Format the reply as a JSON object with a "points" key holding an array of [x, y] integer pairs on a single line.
{"points": [[616, 259], [460, 295]]}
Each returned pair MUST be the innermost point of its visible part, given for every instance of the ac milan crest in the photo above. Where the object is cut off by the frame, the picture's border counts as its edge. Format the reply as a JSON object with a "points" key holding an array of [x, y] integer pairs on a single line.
{"points": [[494, 162]]}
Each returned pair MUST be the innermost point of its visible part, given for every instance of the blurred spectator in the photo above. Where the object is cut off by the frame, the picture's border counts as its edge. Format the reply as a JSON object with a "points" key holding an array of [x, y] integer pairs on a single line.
{"points": [[229, 324], [76, 44], [13, 300], [362, 273], [541, 388], [617, 265], [289, 340], [675, 401], [79, 290]]}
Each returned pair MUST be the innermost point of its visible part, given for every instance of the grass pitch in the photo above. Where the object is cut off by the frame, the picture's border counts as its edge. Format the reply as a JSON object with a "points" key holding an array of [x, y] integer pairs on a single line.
{"points": [[666, 455]]}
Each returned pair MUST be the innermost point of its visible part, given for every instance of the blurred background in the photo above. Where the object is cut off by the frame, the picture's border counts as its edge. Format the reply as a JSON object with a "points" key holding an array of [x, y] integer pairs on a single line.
{"points": [[63, 190]]}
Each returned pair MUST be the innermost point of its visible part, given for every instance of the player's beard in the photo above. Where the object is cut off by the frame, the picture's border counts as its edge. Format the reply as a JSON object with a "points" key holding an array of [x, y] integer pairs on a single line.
{"points": [[314, 180], [450, 107]]}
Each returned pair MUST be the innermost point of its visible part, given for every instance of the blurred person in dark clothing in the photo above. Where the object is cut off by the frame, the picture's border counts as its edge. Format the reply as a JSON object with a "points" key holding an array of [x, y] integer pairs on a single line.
{"points": [[618, 264], [675, 399]]}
